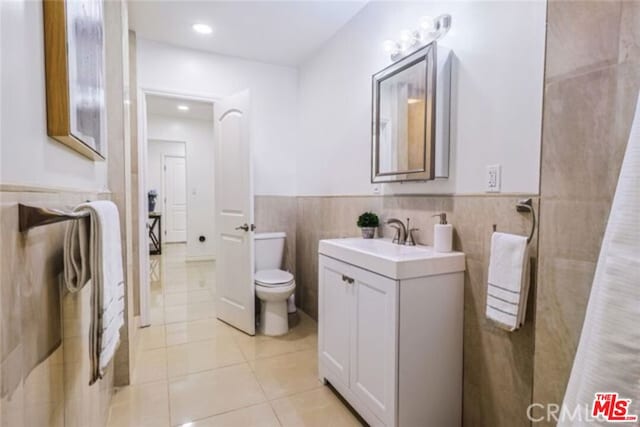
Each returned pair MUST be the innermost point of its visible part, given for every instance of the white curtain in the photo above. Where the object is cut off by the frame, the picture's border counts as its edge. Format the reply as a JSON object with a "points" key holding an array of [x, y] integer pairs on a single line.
{"points": [[608, 356]]}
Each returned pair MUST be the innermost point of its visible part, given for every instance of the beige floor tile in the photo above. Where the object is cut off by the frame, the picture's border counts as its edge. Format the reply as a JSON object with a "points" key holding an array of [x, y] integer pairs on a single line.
{"points": [[140, 406], [200, 330], [204, 357], [254, 416], [260, 346], [156, 299], [156, 316], [315, 408], [199, 356], [190, 297], [287, 374], [189, 312], [151, 337], [151, 365], [214, 392]]}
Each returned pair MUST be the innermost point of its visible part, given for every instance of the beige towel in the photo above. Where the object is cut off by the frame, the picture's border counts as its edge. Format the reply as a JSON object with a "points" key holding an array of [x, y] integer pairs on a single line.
{"points": [[97, 254]]}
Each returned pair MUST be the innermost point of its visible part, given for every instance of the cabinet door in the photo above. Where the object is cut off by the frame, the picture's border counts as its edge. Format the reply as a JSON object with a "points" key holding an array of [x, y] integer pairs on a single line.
{"points": [[335, 308], [374, 343]]}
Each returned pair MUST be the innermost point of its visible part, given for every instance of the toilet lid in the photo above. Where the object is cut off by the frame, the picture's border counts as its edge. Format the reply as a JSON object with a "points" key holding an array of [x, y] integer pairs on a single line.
{"points": [[273, 277]]}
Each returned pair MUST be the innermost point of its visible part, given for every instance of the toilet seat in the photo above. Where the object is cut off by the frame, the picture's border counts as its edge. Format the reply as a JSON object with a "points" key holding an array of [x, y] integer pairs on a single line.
{"points": [[273, 278]]}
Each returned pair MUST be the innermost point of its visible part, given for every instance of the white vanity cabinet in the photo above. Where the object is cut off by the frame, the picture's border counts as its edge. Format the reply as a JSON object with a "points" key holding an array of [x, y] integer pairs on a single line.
{"points": [[390, 330]]}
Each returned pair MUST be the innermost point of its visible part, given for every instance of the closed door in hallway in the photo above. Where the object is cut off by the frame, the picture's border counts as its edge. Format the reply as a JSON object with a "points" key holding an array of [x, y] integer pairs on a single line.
{"points": [[175, 199]]}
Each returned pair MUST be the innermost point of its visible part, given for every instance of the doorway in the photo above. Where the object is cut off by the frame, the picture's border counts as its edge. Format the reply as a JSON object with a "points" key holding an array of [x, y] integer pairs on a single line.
{"points": [[217, 150], [175, 158]]}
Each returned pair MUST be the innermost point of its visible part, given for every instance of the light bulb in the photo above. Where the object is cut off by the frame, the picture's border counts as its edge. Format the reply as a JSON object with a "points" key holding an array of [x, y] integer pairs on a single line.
{"points": [[405, 36], [390, 46], [427, 24], [183, 107], [202, 28]]}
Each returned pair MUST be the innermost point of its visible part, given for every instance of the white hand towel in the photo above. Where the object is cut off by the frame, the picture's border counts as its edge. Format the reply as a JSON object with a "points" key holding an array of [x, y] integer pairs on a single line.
{"points": [[508, 280], [76, 255], [100, 248], [608, 359]]}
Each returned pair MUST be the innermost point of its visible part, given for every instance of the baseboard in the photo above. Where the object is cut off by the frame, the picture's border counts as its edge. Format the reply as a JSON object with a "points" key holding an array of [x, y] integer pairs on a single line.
{"points": [[201, 258]]}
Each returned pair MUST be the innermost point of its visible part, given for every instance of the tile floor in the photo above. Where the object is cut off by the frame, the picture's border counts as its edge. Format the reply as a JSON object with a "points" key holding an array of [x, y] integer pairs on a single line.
{"points": [[193, 370]]}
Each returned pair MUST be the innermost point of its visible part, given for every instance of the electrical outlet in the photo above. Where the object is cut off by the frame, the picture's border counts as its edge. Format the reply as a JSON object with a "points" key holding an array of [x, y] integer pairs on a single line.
{"points": [[493, 178], [376, 189]]}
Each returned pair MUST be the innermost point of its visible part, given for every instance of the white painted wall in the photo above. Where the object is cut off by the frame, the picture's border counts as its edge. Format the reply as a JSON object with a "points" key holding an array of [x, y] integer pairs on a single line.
{"points": [[197, 136], [273, 97], [27, 155], [497, 88]]}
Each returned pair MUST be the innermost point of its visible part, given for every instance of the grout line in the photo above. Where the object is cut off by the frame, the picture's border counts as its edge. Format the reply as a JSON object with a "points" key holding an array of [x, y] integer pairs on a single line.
{"points": [[202, 371], [275, 413], [295, 393], [266, 402]]}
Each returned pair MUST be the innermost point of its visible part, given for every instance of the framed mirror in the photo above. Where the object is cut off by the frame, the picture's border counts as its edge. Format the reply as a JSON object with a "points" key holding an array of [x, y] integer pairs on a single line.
{"points": [[403, 119]]}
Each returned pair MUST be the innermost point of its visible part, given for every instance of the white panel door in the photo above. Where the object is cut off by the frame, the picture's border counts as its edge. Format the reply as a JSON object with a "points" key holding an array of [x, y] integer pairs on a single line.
{"points": [[374, 343], [335, 308], [175, 198], [234, 213]]}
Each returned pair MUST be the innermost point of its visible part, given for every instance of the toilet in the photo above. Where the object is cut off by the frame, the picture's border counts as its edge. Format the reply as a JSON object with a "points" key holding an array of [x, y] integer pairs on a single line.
{"points": [[273, 285]]}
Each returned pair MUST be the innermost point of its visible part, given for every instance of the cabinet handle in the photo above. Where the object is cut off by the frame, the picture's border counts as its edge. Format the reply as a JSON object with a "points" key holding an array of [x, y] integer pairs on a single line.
{"points": [[347, 279]]}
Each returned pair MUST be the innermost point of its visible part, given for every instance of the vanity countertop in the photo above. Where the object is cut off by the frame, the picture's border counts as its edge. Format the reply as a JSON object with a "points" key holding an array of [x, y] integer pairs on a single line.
{"points": [[398, 262]]}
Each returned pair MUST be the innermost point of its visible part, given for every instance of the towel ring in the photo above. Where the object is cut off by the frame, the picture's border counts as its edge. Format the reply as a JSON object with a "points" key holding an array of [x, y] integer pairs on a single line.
{"points": [[525, 205]]}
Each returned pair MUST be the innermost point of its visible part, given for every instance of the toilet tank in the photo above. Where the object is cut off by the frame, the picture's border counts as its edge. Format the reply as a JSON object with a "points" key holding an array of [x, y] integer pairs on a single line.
{"points": [[269, 250]]}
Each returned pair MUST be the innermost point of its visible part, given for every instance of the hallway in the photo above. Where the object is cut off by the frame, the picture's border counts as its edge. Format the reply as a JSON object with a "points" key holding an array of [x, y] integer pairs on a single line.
{"points": [[193, 370]]}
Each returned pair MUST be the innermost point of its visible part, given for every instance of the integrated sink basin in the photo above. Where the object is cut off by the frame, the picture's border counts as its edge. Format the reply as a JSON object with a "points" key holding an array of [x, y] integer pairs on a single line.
{"points": [[397, 262]]}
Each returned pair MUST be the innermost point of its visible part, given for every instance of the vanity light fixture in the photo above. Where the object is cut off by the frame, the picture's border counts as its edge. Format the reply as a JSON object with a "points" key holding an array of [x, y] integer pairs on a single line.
{"points": [[430, 29], [202, 28], [183, 107]]}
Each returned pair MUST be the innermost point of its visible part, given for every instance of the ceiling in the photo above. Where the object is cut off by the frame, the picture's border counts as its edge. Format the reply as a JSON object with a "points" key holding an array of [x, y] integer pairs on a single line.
{"points": [[166, 106], [277, 32]]}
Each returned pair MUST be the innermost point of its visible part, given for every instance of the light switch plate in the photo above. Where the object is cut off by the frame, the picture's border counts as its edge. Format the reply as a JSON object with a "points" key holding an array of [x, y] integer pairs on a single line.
{"points": [[494, 178]]}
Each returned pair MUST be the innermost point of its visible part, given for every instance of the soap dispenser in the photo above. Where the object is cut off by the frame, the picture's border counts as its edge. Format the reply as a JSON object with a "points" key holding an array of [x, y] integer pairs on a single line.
{"points": [[442, 234]]}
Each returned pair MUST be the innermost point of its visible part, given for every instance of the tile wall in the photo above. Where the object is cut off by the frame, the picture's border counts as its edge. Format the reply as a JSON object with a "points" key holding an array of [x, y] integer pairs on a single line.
{"points": [[591, 87], [44, 357]]}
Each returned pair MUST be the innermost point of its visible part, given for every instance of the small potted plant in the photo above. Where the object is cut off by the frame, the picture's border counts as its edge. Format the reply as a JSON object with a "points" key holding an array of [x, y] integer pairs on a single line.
{"points": [[368, 222]]}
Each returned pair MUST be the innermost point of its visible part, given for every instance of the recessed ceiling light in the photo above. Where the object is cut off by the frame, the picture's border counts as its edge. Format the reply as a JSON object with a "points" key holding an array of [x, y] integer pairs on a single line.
{"points": [[202, 28], [183, 107]]}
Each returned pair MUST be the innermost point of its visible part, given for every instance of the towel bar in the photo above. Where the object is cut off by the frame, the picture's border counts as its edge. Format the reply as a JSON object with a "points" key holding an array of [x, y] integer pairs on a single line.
{"points": [[31, 216], [525, 205]]}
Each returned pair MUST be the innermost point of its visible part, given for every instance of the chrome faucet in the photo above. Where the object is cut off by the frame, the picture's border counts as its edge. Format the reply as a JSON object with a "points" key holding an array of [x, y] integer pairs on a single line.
{"points": [[401, 231], [404, 234]]}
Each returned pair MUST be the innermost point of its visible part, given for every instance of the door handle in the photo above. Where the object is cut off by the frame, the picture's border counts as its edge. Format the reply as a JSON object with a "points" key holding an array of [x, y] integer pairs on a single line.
{"points": [[244, 227], [347, 279]]}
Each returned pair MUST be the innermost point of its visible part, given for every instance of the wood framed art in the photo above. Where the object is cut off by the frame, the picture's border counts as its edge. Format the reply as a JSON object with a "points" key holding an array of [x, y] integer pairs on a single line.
{"points": [[75, 74]]}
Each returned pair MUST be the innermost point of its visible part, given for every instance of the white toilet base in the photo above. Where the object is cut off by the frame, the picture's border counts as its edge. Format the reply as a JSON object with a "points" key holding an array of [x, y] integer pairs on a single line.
{"points": [[274, 318]]}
